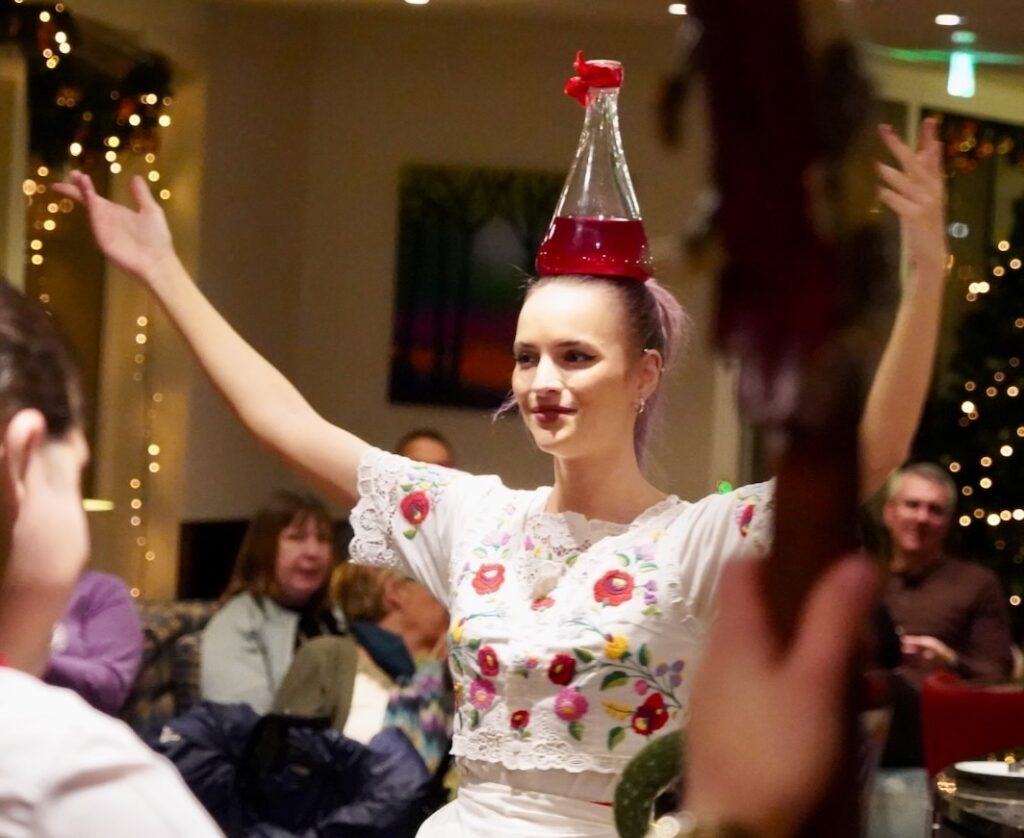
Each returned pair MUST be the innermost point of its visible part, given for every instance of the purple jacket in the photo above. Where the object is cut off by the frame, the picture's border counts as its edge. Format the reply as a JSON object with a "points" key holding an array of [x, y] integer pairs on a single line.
{"points": [[97, 645]]}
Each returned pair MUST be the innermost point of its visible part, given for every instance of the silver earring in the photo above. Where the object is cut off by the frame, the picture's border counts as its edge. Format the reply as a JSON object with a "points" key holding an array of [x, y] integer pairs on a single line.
{"points": [[640, 407]]}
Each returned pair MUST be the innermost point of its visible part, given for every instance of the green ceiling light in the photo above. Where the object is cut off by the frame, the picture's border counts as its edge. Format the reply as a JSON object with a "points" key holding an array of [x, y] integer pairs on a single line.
{"points": [[961, 75], [963, 37]]}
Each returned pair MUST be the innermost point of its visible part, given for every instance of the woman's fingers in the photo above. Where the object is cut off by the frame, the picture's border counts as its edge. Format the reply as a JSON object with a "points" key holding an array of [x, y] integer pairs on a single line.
{"points": [[140, 192], [896, 202]]}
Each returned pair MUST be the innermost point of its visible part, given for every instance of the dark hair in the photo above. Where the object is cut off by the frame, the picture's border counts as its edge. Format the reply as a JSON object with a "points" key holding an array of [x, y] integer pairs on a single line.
{"points": [[36, 367], [423, 433], [257, 557], [656, 322]]}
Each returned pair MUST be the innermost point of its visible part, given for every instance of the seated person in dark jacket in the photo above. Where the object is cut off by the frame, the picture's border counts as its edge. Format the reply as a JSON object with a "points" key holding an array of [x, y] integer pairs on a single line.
{"points": [[275, 644], [950, 614]]}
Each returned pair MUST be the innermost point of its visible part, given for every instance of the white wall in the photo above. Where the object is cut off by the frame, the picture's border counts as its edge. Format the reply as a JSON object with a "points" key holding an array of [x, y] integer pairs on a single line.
{"points": [[310, 119]]}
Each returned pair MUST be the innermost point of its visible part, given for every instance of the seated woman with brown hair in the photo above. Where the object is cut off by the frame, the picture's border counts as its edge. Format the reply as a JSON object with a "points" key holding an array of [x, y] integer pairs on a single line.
{"points": [[276, 644], [401, 679]]}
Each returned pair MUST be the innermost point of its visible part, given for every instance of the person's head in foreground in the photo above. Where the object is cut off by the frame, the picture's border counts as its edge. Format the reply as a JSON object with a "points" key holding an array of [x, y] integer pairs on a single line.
{"points": [[287, 553], [425, 445], [590, 355], [918, 512], [44, 541]]}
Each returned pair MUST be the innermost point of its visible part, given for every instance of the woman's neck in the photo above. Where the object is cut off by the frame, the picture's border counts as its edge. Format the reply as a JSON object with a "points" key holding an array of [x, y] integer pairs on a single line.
{"points": [[606, 489]]}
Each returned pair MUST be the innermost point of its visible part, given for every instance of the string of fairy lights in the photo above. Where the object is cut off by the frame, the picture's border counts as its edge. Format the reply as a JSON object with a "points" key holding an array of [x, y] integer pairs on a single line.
{"points": [[119, 130]]}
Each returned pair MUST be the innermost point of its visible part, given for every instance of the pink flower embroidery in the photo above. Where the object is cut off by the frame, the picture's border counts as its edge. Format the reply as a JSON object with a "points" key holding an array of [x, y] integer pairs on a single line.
{"points": [[746, 516], [650, 716], [641, 687], [614, 588], [488, 661], [562, 669], [481, 694], [570, 705], [415, 508], [489, 577], [519, 719]]}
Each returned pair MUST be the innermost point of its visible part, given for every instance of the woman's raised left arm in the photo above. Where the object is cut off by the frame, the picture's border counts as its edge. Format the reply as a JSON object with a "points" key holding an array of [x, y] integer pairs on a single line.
{"points": [[916, 193]]}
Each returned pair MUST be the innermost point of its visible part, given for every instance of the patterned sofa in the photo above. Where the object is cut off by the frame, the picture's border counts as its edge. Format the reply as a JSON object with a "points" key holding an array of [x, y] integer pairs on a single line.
{"points": [[168, 682]]}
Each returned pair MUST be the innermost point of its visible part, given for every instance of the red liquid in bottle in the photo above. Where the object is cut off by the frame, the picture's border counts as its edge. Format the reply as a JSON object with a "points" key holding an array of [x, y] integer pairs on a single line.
{"points": [[599, 246]]}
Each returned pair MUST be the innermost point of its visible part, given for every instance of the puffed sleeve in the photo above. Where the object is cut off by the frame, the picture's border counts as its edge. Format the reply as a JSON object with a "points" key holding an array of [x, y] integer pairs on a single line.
{"points": [[407, 516], [736, 525]]}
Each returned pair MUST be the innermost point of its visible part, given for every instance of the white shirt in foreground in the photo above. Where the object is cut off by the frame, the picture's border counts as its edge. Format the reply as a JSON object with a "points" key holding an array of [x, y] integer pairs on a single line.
{"points": [[69, 770]]}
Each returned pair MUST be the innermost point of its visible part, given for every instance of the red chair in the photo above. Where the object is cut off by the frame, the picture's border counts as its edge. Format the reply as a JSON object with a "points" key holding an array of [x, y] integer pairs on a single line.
{"points": [[959, 722]]}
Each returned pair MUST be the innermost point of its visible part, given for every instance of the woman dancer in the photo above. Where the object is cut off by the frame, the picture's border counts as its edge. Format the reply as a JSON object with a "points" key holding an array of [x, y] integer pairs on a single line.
{"points": [[578, 610]]}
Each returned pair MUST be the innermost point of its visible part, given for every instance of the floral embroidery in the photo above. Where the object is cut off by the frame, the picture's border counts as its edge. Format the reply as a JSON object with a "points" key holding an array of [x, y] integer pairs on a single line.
{"points": [[457, 631], [488, 578], [614, 588], [746, 516], [488, 661], [542, 603], [571, 705], [562, 669], [617, 710], [422, 484], [650, 716], [616, 647], [481, 694], [415, 508], [519, 721]]}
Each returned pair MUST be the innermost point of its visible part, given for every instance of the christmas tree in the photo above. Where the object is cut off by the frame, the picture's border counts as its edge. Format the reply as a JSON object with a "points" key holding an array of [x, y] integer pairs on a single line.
{"points": [[975, 425]]}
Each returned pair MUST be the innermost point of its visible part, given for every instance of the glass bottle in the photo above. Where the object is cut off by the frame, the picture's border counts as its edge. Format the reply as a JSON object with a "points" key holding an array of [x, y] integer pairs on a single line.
{"points": [[597, 228]]}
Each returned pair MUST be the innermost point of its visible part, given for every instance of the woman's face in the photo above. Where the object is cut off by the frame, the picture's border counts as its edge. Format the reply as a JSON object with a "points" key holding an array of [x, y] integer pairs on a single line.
{"points": [[303, 560], [577, 379]]}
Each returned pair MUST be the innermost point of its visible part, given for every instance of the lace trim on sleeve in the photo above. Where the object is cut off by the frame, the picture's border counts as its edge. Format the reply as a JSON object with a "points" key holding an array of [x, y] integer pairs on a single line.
{"points": [[378, 477]]}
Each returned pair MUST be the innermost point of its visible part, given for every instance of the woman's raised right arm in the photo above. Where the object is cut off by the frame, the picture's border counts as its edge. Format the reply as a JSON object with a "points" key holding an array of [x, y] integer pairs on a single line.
{"points": [[139, 242]]}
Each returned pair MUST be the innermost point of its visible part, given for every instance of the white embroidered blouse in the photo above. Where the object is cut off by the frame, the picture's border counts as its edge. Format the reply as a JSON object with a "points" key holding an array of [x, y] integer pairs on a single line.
{"points": [[571, 641]]}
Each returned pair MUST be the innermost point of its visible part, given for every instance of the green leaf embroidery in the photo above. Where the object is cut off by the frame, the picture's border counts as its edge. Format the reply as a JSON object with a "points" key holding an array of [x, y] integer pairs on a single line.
{"points": [[474, 719], [474, 643], [614, 679], [576, 731], [651, 611], [456, 664], [647, 567], [409, 533], [480, 552], [615, 736], [405, 487], [624, 560], [644, 655], [569, 562], [585, 655]]}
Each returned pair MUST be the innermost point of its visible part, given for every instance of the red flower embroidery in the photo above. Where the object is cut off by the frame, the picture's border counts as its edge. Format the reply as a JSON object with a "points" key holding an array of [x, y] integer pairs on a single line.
{"points": [[489, 577], [541, 603], [415, 508], [614, 588], [488, 661], [650, 716], [519, 719], [562, 669], [746, 516]]}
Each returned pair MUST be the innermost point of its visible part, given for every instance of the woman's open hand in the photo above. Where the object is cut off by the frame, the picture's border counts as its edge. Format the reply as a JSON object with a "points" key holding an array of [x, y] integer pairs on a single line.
{"points": [[137, 241], [916, 193]]}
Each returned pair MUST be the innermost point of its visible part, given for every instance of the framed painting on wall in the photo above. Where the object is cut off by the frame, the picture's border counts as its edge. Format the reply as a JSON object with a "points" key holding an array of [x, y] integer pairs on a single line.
{"points": [[466, 244]]}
